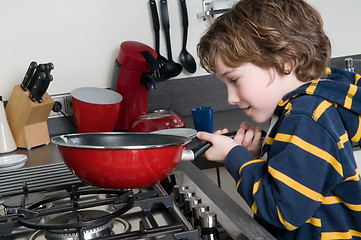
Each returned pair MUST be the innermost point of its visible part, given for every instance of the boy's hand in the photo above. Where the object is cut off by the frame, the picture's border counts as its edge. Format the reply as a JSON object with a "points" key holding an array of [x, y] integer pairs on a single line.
{"points": [[221, 145], [250, 137]]}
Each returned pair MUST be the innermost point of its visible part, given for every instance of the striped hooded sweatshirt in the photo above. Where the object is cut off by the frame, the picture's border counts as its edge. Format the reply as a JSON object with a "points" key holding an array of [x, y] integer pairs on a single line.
{"points": [[309, 187]]}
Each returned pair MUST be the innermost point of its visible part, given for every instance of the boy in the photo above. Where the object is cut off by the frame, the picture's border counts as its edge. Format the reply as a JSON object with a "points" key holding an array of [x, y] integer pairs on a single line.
{"points": [[272, 55]]}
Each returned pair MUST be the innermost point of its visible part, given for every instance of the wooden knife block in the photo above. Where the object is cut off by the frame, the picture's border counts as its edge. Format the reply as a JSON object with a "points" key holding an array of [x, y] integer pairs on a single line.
{"points": [[27, 119]]}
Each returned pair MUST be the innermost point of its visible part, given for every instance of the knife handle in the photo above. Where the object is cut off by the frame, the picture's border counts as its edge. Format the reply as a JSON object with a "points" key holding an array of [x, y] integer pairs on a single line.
{"points": [[28, 76], [44, 87], [37, 86], [48, 68], [40, 68]]}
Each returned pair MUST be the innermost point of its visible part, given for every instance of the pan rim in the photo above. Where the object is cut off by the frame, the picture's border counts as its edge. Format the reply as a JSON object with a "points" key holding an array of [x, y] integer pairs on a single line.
{"points": [[61, 141]]}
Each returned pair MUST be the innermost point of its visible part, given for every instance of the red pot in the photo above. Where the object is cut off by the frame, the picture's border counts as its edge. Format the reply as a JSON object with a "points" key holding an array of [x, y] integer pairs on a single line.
{"points": [[122, 160], [95, 109]]}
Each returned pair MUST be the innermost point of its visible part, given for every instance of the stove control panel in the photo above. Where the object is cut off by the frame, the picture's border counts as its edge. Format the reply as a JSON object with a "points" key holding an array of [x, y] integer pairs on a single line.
{"points": [[212, 211]]}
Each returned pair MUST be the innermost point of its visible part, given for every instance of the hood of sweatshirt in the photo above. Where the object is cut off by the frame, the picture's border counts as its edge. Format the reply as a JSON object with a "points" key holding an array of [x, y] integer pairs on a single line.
{"points": [[340, 87]]}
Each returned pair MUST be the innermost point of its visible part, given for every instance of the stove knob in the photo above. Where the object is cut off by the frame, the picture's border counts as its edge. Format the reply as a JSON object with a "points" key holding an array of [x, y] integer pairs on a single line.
{"points": [[183, 195], [208, 221], [177, 189], [189, 201], [196, 210]]}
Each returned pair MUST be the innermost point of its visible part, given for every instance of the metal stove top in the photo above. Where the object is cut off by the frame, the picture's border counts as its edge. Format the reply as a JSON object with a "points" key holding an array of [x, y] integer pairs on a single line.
{"points": [[37, 202], [48, 202]]}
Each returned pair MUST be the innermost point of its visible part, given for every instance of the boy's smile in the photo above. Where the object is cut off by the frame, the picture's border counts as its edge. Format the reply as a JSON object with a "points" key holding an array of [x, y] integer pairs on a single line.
{"points": [[255, 90]]}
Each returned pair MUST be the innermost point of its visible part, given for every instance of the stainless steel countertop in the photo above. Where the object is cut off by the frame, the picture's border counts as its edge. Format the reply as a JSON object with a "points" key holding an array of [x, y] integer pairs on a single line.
{"points": [[41, 155]]}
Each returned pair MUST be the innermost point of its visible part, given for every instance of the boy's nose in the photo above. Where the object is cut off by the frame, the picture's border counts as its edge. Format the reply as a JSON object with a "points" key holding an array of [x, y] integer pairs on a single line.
{"points": [[233, 98]]}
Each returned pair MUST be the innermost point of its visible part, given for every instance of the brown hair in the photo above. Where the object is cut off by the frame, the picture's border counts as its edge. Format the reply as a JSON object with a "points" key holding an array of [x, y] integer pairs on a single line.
{"points": [[269, 33]]}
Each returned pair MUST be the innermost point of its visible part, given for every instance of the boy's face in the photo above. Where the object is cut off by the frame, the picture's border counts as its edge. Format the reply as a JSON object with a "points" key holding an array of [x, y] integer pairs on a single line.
{"points": [[255, 90]]}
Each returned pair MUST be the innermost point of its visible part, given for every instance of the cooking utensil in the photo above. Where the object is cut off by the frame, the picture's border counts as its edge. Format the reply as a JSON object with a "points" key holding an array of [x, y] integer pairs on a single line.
{"points": [[95, 109], [121, 160], [28, 76], [161, 74], [172, 68], [185, 57], [155, 18]]}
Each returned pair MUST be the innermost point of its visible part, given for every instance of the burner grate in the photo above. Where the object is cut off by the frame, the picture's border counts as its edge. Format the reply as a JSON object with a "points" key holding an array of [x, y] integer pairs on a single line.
{"points": [[33, 179], [31, 216], [152, 214]]}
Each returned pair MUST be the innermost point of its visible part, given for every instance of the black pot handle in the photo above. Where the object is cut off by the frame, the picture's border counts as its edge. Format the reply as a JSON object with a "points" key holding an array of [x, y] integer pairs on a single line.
{"points": [[203, 146]]}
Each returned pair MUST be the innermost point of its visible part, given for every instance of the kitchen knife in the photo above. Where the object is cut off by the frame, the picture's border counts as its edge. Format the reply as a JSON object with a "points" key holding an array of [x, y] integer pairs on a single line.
{"points": [[44, 87], [48, 68], [28, 76], [37, 86], [40, 68]]}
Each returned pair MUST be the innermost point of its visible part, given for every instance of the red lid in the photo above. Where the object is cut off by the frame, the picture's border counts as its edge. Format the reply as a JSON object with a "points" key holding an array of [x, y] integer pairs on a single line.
{"points": [[130, 57]]}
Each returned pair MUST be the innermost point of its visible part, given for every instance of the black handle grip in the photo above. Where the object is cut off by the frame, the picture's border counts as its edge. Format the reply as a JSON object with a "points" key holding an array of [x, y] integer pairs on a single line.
{"points": [[203, 146], [48, 68], [199, 150], [44, 87], [28, 76], [34, 92], [166, 26], [40, 68], [155, 18], [185, 21]]}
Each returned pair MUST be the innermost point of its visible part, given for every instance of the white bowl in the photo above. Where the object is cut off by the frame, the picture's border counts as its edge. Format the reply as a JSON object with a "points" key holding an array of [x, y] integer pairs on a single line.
{"points": [[12, 161]]}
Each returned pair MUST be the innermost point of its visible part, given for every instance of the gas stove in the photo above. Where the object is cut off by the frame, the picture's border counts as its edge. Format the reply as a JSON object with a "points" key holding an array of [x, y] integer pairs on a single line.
{"points": [[49, 202]]}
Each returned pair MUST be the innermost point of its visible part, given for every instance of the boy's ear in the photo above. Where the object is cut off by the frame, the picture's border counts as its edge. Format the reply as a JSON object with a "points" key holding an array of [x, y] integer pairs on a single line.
{"points": [[288, 67]]}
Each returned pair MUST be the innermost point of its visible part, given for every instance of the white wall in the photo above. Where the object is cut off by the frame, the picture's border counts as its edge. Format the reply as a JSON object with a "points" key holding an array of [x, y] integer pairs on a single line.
{"points": [[82, 37], [342, 24]]}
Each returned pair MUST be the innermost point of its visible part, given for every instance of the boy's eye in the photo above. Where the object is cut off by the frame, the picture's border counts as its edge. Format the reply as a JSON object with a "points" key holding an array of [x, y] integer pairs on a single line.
{"points": [[233, 81]]}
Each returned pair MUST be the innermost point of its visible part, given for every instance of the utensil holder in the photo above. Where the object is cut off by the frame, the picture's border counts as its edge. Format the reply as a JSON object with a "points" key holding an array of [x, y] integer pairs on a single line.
{"points": [[27, 119]]}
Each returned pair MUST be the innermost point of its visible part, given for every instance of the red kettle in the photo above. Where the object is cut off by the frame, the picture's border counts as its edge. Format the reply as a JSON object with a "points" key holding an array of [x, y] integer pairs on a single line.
{"points": [[131, 80]]}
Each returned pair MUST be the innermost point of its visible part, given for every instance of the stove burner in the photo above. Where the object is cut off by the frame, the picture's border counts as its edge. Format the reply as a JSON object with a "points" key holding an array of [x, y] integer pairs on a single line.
{"points": [[11, 204], [50, 203], [72, 217], [117, 225], [77, 216]]}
